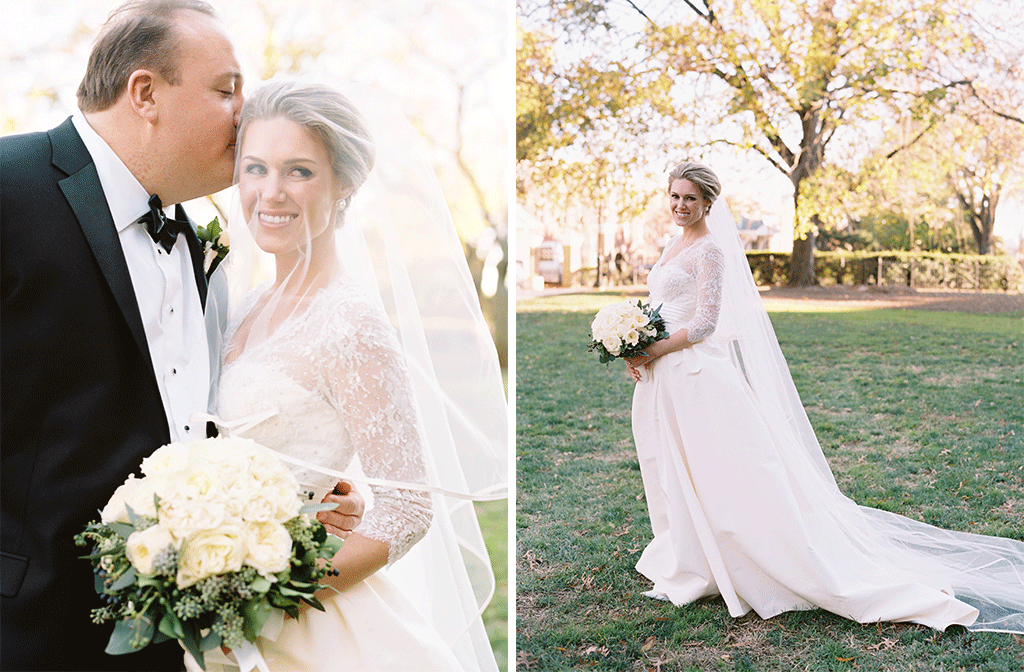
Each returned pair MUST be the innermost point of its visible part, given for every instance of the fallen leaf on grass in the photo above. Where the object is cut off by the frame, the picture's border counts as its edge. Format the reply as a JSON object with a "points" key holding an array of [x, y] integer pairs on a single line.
{"points": [[846, 660], [647, 645], [886, 644]]}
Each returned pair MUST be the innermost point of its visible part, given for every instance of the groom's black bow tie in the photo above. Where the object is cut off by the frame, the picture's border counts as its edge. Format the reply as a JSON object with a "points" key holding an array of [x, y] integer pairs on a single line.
{"points": [[163, 229]]}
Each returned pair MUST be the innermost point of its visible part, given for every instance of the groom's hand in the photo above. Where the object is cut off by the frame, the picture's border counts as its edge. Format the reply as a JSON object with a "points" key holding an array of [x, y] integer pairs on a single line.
{"points": [[346, 516]]}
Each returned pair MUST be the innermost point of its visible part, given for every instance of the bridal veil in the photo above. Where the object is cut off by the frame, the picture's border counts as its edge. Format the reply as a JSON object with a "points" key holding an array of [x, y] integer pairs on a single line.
{"points": [[399, 243], [985, 572]]}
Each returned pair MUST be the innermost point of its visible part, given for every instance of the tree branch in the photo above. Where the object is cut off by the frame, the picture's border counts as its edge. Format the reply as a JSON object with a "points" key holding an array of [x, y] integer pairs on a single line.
{"points": [[641, 12], [709, 17], [1004, 115], [912, 142]]}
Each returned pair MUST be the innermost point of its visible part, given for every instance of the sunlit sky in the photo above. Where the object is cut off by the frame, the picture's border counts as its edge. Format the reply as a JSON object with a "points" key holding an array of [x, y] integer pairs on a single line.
{"points": [[418, 51], [747, 177]]}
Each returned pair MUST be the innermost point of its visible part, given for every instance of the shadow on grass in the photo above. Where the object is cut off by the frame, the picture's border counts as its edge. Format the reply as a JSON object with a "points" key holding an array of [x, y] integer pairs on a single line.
{"points": [[917, 412]]}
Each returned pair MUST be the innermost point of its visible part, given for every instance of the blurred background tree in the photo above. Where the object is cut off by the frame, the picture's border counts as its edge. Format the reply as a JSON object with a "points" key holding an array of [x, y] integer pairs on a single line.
{"points": [[444, 61]]}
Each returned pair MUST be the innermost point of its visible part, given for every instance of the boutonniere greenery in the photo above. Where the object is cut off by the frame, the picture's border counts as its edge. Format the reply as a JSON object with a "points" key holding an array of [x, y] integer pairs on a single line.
{"points": [[215, 245]]}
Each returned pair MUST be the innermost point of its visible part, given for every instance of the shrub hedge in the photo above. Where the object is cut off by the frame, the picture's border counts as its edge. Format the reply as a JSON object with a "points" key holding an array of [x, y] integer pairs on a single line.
{"points": [[926, 270]]}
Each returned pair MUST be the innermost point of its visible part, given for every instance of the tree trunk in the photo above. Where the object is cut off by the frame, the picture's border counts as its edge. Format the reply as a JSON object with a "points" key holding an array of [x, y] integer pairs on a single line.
{"points": [[801, 262]]}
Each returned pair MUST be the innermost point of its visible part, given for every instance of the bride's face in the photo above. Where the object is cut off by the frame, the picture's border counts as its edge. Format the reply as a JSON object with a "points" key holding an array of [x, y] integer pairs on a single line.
{"points": [[287, 187], [687, 203]]}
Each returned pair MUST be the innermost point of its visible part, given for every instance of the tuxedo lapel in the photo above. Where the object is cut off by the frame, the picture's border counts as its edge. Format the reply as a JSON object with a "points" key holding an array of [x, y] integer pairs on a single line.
{"points": [[85, 195], [195, 247]]}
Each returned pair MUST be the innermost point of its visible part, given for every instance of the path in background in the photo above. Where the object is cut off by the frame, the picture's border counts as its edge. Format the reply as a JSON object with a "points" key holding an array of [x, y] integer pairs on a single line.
{"points": [[840, 297]]}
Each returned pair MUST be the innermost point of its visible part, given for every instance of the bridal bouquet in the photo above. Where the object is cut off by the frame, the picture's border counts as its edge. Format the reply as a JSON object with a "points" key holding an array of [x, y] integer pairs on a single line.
{"points": [[625, 329], [204, 546]]}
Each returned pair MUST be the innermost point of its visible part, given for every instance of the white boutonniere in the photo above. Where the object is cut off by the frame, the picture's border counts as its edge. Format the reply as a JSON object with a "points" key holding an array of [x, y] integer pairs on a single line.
{"points": [[215, 242]]}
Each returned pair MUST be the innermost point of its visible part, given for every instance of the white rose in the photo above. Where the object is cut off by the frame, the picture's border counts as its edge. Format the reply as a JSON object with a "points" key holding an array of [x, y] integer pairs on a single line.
{"points": [[276, 501], [267, 469], [199, 482], [612, 344], [169, 459], [210, 552], [142, 498], [632, 337], [115, 510], [268, 547], [182, 516], [143, 547]]}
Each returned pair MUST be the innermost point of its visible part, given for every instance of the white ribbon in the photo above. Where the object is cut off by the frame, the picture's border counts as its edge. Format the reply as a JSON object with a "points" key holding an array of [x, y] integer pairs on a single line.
{"points": [[236, 427], [249, 657]]}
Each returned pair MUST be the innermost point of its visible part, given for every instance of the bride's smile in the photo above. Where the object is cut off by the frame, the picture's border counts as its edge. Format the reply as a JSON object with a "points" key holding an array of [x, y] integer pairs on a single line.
{"points": [[687, 203], [274, 221], [286, 181]]}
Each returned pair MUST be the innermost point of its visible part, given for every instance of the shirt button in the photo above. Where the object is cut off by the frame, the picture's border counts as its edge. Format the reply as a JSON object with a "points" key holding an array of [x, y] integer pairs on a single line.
{"points": [[186, 428], [172, 310], [174, 372]]}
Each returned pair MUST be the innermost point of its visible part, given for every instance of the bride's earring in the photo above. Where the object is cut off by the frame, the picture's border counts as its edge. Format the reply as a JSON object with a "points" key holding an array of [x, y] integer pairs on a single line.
{"points": [[341, 205]]}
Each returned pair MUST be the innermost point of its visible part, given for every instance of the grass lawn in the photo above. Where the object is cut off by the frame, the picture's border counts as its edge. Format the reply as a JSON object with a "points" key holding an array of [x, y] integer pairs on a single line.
{"points": [[493, 517], [917, 412]]}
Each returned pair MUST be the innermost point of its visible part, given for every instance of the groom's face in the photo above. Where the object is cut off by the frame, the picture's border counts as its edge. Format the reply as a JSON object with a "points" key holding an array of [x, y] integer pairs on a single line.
{"points": [[199, 114]]}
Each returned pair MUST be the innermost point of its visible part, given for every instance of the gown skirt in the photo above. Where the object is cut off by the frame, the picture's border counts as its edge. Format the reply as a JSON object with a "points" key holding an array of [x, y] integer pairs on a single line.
{"points": [[369, 627], [736, 513]]}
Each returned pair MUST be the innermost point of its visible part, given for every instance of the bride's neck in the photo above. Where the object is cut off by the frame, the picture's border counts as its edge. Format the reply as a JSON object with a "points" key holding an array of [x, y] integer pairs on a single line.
{"points": [[298, 274], [692, 234]]}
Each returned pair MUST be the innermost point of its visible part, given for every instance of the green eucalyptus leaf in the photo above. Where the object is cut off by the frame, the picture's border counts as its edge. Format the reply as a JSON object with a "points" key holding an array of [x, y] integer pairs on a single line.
{"points": [[123, 530], [125, 580], [333, 544], [256, 614], [137, 521], [171, 626], [315, 508], [129, 632], [191, 640], [211, 641], [260, 585], [315, 603], [120, 641]]}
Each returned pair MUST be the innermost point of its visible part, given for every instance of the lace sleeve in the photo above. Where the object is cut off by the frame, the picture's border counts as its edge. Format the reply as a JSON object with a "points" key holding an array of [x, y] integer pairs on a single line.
{"points": [[710, 269], [367, 381]]}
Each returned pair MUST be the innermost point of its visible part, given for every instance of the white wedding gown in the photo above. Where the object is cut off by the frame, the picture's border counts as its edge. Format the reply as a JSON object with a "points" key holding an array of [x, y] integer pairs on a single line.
{"points": [[737, 510], [336, 376]]}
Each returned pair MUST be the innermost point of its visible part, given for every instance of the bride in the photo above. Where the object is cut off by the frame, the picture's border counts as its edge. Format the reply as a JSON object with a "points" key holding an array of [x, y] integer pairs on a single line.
{"points": [[366, 347], [741, 500]]}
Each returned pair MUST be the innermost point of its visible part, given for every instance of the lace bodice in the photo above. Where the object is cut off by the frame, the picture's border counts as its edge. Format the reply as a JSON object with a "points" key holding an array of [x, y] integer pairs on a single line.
{"points": [[337, 377], [689, 287]]}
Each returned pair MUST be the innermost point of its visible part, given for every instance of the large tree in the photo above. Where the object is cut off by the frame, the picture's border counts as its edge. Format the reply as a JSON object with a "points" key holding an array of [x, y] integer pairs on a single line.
{"points": [[787, 78]]}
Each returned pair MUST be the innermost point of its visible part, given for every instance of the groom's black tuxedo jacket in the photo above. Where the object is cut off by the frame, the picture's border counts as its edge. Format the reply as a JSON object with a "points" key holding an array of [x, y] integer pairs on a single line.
{"points": [[79, 399]]}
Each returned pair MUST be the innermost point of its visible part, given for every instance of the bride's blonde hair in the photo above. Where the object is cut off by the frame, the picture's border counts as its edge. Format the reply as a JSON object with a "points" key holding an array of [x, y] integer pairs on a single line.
{"points": [[699, 174], [328, 115]]}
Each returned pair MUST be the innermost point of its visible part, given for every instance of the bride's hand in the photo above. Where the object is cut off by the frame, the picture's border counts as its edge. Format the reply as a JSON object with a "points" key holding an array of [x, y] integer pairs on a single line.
{"points": [[643, 359], [346, 517]]}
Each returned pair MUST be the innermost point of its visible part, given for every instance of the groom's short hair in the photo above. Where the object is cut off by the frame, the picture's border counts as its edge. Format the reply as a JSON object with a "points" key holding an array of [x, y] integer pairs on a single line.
{"points": [[138, 34]]}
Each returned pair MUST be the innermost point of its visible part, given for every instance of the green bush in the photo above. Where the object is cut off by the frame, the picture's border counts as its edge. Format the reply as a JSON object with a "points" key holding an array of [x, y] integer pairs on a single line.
{"points": [[931, 270]]}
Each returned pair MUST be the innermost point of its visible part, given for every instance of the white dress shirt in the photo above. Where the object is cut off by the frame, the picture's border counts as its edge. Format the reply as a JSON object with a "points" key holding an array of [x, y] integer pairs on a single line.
{"points": [[165, 288]]}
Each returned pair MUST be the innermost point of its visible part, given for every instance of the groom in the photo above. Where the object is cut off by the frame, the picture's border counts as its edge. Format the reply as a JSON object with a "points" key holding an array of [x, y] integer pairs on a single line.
{"points": [[104, 347]]}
